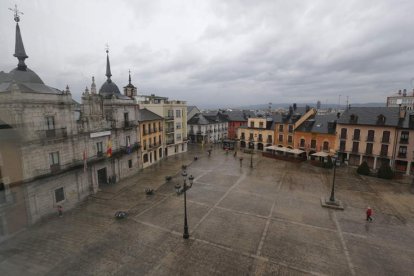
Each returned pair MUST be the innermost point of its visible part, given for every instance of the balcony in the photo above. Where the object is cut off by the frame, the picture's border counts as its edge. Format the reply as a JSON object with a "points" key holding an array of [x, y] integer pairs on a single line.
{"points": [[384, 153], [242, 138], [370, 139], [260, 139], [342, 149], [402, 155], [169, 130], [99, 154], [169, 142], [354, 150], [128, 124], [343, 137], [56, 133], [169, 118], [251, 139], [355, 137], [403, 141], [385, 140], [269, 141]]}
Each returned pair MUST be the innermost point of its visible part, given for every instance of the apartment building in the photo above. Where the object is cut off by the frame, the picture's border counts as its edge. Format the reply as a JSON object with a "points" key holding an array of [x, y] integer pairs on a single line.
{"points": [[207, 128], [151, 131], [258, 133]]}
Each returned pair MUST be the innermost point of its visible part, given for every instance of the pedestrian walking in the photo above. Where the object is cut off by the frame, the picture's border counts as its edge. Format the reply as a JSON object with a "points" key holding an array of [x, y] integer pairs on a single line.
{"points": [[369, 214], [60, 210], [209, 152], [235, 154]]}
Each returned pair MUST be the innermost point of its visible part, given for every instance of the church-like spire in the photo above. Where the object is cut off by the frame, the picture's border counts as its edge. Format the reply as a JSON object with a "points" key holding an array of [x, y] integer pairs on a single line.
{"points": [[93, 86], [108, 66], [19, 51], [129, 71]]}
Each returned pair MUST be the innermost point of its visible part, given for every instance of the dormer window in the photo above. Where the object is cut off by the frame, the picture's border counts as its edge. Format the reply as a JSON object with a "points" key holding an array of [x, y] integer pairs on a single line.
{"points": [[381, 119], [353, 118]]}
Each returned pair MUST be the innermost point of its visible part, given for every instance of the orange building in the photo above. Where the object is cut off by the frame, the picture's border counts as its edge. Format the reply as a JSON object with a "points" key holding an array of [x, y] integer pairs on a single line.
{"points": [[317, 135]]}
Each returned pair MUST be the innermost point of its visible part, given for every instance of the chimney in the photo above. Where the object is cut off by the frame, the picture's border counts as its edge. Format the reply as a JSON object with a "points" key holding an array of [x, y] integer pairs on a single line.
{"points": [[402, 112], [399, 92], [405, 92], [338, 115]]}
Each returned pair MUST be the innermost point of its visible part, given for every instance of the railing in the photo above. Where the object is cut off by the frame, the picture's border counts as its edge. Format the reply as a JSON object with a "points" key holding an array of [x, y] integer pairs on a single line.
{"points": [[169, 117], [242, 138], [342, 149], [385, 140], [403, 141], [355, 137], [169, 130], [260, 139], [55, 133], [343, 136], [370, 139], [368, 152], [169, 142], [402, 155], [354, 150], [99, 154], [384, 153], [128, 124], [269, 141]]}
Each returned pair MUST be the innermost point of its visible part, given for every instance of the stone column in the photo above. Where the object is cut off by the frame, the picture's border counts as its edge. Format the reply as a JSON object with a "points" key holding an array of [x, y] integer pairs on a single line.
{"points": [[375, 163], [360, 159], [407, 172]]}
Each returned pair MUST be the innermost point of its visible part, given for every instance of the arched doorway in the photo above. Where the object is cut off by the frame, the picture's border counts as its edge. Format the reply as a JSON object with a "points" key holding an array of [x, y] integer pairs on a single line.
{"points": [[260, 146], [242, 144]]}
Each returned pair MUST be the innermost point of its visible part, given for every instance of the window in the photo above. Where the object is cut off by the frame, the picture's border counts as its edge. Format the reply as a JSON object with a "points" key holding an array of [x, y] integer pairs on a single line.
{"points": [[50, 122], [290, 128], [402, 152], [144, 131], [159, 126], [251, 137], [130, 163], [269, 138], [170, 113], [260, 124], [280, 138], [178, 113], [146, 158], [386, 137], [357, 133], [369, 148], [178, 126], [155, 140], [260, 138], [242, 136], [127, 141], [404, 137], [54, 158], [371, 134], [290, 139], [144, 142], [252, 124], [313, 144], [384, 150], [159, 139], [326, 146], [302, 143], [178, 137], [280, 128], [99, 149], [154, 128], [355, 146], [59, 195], [126, 117], [343, 133], [342, 146]]}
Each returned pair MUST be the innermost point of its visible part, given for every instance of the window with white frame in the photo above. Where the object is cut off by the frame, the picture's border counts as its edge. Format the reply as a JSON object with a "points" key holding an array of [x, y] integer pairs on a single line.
{"points": [[178, 137], [50, 122], [178, 126], [54, 158], [178, 113]]}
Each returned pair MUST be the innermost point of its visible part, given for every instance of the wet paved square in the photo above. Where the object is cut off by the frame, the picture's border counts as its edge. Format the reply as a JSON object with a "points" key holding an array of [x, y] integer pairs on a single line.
{"points": [[262, 221]]}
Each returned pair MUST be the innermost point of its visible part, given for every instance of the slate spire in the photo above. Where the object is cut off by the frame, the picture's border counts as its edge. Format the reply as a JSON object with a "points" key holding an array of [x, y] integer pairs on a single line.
{"points": [[19, 51], [108, 66]]}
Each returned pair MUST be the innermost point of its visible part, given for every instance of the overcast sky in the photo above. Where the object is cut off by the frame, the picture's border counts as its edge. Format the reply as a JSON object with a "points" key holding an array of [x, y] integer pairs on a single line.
{"points": [[226, 53]]}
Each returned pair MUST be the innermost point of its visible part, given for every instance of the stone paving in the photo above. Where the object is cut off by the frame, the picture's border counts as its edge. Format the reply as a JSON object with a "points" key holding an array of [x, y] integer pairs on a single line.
{"points": [[262, 221]]}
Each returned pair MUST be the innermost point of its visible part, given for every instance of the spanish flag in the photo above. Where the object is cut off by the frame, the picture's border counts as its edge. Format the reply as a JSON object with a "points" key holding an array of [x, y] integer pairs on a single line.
{"points": [[109, 148]]}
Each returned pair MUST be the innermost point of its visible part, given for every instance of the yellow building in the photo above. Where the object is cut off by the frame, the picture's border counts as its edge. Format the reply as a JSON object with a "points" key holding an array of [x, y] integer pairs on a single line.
{"points": [[257, 134], [151, 133]]}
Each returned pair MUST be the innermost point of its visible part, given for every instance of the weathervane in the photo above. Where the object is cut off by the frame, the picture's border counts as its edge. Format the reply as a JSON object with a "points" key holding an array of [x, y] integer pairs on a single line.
{"points": [[16, 13], [107, 47]]}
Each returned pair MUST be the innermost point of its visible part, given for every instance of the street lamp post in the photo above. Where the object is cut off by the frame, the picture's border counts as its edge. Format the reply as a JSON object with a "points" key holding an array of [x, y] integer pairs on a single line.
{"points": [[186, 234], [251, 159], [332, 202]]}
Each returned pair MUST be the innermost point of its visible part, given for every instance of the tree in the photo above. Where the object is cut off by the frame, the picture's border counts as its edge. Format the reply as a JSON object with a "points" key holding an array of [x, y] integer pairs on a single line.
{"points": [[385, 172], [363, 169]]}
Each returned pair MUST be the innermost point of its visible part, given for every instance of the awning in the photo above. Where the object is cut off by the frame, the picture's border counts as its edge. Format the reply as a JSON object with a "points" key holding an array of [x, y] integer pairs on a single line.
{"points": [[321, 154], [296, 151]]}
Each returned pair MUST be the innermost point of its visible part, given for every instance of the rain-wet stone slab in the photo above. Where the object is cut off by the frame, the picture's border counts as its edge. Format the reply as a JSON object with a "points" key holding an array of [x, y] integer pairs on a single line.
{"points": [[169, 214], [237, 231], [247, 202], [307, 248]]}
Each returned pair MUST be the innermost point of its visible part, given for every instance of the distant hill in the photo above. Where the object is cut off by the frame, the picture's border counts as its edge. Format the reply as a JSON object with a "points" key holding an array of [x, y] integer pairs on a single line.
{"points": [[324, 106]]}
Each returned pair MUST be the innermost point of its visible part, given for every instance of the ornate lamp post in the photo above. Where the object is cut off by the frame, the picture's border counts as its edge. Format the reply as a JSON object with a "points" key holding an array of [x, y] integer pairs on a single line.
{"points": [[186, 235], [332, 202]]}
